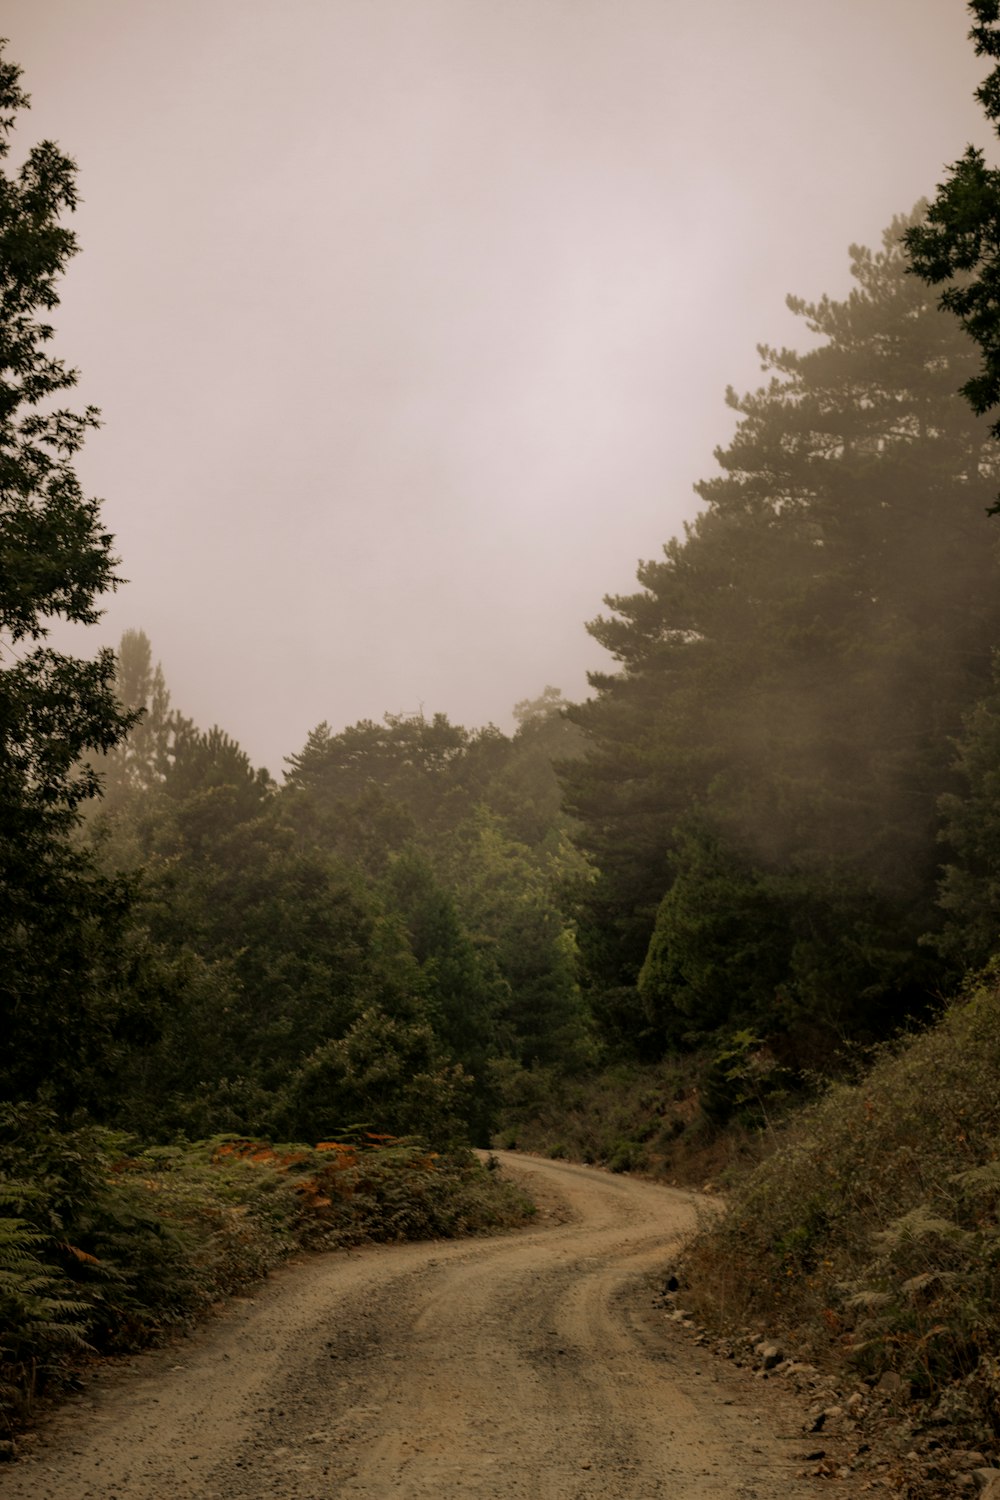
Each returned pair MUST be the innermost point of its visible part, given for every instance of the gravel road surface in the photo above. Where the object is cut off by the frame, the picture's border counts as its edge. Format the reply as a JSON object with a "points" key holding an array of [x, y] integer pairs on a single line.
{"points": [[530, 1365]]}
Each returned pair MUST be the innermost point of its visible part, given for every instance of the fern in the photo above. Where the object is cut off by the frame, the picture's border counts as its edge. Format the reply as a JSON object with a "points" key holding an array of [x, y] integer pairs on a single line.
{"points": [[40, 1317], [36, 1302]]}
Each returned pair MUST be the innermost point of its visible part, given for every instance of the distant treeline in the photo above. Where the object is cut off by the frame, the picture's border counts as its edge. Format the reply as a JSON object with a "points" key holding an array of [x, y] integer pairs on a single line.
{"points": [[371, 943]]}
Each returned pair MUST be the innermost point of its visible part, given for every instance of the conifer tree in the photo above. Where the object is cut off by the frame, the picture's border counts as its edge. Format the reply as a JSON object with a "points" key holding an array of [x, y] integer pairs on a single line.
{"points": [[959, 242], [138, 764], [790, 677]]}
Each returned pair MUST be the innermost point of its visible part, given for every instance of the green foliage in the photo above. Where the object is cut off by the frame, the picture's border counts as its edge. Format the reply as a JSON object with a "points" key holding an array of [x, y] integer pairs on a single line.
{"points": [[273, 950], [400, 1191], [629, 1117], [461, 992], [720, 949], [525, 792], [138, 764], [55, 560], [759, 793], [268, 948], [78, 989], [389, 1073], [809, 958], [970, 885], [105, 1245], [466, 839], [958, 243], [742, 1081], [509, 897], [61, 955], [40, 1318], [410, 775], [871, 1231]]}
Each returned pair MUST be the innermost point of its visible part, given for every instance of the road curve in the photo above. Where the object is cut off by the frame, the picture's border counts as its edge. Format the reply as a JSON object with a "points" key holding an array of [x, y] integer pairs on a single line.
{"points": [[529, 1365]]}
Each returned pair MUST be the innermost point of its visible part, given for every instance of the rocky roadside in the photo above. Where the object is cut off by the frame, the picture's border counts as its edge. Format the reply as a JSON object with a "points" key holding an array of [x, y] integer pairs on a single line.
{"points": [[870, 1432]]}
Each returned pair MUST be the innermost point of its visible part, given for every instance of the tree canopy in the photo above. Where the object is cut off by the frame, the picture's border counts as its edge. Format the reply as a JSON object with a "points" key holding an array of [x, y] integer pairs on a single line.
{"points": [[791, 673], [959, 241], [64, 967]]}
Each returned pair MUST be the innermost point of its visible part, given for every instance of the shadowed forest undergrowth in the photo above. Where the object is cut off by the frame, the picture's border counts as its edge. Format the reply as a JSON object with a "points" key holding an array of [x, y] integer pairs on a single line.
{"points": [[107, 1246]]}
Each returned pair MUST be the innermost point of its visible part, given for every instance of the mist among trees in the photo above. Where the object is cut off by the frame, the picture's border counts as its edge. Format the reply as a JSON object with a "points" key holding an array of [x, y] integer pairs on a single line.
{"points": [[767, 820], [772, 819]]}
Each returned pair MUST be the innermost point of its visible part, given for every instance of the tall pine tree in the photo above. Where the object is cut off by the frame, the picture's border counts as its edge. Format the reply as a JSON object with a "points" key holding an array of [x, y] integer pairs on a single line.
{"points": [[790, 675]]}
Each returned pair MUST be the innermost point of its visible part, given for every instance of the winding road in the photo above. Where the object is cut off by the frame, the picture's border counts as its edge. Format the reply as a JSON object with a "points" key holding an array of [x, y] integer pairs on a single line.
{"points": [[528, 1365]]}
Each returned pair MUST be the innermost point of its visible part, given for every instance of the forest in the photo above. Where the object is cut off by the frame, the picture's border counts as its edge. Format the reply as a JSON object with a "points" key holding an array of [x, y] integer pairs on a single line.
{"points": [[767, 844]]}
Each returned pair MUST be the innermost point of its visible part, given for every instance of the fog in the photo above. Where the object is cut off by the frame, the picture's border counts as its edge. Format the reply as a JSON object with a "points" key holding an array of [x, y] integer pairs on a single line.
{"points": [[410, 320]]}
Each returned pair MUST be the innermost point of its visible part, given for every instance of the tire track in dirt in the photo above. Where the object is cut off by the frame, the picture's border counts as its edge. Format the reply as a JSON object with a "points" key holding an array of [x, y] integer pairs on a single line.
{"points": [[528, 1365]]}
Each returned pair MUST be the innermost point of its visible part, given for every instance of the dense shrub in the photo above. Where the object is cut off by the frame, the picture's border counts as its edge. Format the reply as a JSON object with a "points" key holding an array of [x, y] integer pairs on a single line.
{"points": [[872, 1230], [686, 1120], [107, 1247]]}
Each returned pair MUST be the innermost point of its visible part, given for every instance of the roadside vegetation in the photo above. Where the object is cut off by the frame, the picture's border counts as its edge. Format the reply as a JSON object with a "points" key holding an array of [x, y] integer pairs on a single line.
{"points": [[869, 1235], [108, 1246], [693, 1120]]}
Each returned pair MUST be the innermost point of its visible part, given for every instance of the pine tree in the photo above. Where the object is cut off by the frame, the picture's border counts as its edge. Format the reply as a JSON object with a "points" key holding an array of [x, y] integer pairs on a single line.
{"points": [[959, 243], [791, 674], [138, 764]]}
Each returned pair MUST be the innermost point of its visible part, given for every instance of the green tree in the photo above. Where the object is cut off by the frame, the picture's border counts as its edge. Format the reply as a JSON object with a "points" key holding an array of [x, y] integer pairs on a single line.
{"points": [[226, 879], [970, 885], [525, 789], [462, 995], [55, 557], [720, 948], [62, 926], [138, 764], [959, 242], [463, 834], [386, 1073], [509, 898], [271, 945], [794, 669], [383, 785]]}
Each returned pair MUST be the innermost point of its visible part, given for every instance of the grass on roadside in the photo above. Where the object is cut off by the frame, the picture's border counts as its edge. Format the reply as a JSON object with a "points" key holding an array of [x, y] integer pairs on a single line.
{"points": [[870, 1235], [107, 1247], [629, 1117]]}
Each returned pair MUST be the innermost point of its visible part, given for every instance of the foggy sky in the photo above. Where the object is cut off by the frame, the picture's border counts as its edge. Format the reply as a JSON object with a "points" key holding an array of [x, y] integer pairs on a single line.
{"points": [[410, 320]]}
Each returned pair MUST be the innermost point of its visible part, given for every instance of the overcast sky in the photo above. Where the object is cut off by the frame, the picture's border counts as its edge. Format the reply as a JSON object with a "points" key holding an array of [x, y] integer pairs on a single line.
{"points": [[411, 320]]}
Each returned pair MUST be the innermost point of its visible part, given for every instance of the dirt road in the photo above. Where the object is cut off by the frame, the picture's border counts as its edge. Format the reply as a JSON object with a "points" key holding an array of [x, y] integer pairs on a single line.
{"points": [[531, 1365]]}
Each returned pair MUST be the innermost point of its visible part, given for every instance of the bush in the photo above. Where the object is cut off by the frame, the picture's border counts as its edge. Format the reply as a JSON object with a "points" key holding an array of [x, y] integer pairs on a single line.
{"points": [[389, 1072], [106, 1247], [632, 1118], [871, 1233]]}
